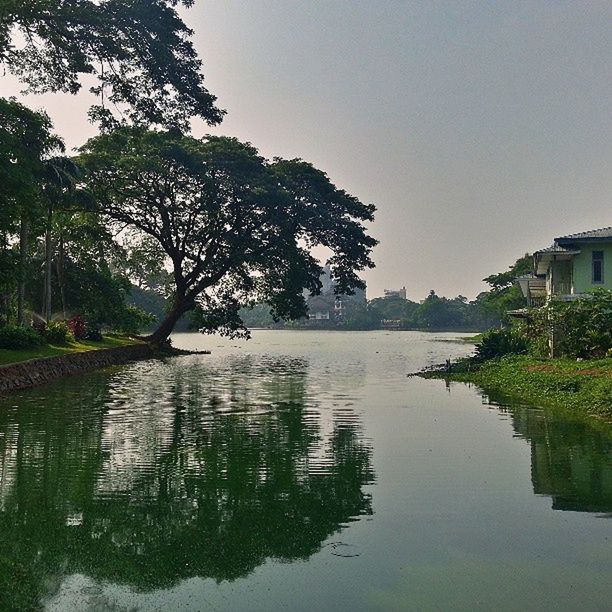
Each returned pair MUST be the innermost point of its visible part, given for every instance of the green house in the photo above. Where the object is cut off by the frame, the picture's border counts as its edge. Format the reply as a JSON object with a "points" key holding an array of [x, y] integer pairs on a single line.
{"points": [[573, 265]]}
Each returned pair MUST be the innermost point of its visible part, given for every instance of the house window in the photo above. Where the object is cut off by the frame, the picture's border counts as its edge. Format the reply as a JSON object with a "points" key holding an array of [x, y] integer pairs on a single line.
{"points": [[598, 269]]}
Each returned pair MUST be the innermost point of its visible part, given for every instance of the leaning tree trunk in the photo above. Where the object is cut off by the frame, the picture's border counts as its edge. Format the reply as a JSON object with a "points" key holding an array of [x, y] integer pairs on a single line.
{"points": [[23, 259], [161, 334]]}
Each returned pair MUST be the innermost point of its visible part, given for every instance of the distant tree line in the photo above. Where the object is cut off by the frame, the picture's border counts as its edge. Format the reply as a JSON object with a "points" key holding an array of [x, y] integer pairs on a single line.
{"points": [[489, 309]]}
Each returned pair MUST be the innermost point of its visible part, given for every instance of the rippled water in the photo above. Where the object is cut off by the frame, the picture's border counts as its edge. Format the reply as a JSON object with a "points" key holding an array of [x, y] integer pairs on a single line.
{"points": [[300, 470]]}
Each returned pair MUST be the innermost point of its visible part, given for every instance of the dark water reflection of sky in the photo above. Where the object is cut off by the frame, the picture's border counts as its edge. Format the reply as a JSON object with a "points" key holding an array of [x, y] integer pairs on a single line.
{"points": [[300, 470]]}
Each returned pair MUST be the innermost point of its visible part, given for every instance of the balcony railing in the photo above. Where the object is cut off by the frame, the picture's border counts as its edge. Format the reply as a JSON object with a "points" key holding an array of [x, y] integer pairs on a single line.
{"points": [[538, 302], [562, 288]]}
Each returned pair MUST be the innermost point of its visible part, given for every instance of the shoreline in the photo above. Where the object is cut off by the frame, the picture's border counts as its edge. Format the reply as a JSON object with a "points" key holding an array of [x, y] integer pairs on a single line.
{"points": [[23, 375], [583, 388], [442, 330]]}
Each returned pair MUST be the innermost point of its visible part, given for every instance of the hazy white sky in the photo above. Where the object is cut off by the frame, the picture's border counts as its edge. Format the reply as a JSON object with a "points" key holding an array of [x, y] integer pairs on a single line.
{"points": [[480, 130]]}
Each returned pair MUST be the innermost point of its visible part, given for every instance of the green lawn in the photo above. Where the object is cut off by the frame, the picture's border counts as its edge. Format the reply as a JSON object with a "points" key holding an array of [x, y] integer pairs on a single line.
{"points": [[579, 386], [14, 356]]}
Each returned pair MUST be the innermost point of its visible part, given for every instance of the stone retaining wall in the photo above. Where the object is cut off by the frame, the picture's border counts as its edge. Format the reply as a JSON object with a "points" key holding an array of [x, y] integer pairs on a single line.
{"points": [[39, 371]]}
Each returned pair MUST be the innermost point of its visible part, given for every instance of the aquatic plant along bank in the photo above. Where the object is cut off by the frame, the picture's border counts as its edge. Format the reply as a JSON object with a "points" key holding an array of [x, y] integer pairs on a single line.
{"points": [[584, 387]]}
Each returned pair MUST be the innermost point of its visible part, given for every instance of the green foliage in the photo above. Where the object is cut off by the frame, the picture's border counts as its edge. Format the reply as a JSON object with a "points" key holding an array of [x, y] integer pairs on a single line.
{"points": [[504, 280], [361, 317], [83, 282], [580, 386], [140, 53], [95, 291], [582, 327], [235, 227], [58, 332], [434, 312], [437, 312], [149, 301], [142, 261], [82, 279], [504, 294], [148, 70], [92, 332], [539, 346], [134, 320], [499, 342], [78, 253], [18, 337], [8, 282], [25, 140], [257, 315], [25, 143], [392, 308]]}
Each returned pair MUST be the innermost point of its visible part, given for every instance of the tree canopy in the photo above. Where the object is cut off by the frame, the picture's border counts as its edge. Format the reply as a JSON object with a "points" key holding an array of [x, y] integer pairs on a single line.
{"points": [[236, 228], [26, 139], [503, 280], [505, 295], [140, 52]]}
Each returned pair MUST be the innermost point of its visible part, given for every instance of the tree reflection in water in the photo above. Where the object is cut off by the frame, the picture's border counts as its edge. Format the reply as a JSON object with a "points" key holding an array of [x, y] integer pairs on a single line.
{"points": [[165, 471], [571, 461]]}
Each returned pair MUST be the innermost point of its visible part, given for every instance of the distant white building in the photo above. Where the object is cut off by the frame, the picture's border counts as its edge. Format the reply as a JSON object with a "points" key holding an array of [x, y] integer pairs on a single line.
{"points": [[395, 293], [328, 306], [320, 308]]}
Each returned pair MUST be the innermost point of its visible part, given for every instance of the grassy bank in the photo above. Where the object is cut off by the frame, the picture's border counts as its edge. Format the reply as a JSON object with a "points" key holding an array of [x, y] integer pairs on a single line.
{"points": [[471, 339], [581, 386], [14, 356]]}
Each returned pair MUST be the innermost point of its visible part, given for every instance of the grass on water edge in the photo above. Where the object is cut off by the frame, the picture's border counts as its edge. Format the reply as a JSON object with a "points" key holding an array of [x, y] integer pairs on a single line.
{"points": [[472, 339], [583, 387], [9, 356]]}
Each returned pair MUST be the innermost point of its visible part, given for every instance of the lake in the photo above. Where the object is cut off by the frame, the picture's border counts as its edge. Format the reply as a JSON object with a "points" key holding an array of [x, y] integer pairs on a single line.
{"points": [[300, 470]]}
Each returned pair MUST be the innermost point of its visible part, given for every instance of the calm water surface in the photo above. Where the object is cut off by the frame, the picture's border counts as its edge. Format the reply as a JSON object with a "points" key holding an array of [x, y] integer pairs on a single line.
{"points": [[298, 471]]}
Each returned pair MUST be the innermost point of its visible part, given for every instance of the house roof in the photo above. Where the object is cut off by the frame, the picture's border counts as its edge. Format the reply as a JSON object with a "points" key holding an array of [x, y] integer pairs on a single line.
{"points": [[543, 257], [604, 233], [555, 248], [320, 303], [568, 245]]}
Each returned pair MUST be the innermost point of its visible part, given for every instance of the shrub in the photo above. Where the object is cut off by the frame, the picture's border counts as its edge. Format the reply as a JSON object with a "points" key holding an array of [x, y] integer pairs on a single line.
{"points": [[18, 337], [40, 326], [91, 332], [77, 326], [500, 342], [84, 330], [539, 347], [582, 327], [58, 332]]}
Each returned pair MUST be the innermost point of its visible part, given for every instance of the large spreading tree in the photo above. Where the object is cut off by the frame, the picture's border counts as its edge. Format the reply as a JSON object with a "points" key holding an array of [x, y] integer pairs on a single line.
{"points": [[235, 227], [139, 51]]}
